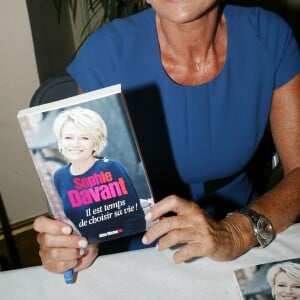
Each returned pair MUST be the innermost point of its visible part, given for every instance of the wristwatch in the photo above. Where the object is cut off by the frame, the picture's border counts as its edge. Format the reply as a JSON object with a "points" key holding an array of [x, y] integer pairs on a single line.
{"points": [[262, 227]]}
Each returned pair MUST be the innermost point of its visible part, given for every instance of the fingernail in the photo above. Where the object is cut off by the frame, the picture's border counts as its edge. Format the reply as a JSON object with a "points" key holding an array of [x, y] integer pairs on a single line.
{"points": [[82, 243], [66, 230], [144, 240], [148, 216], [81, 252]]}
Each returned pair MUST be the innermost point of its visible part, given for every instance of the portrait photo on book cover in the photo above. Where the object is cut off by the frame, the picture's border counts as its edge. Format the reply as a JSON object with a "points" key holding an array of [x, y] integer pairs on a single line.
{"points": [[278, 280], [90, 167]]}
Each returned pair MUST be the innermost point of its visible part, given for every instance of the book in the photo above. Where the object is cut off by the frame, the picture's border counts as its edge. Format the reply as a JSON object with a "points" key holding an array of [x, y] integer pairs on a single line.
{"points": [[88, 161], [272, 280]]}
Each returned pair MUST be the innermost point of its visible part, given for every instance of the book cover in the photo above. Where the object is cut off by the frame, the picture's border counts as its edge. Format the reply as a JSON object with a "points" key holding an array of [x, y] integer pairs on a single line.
{"points": [[87, 158], [274, 280]]}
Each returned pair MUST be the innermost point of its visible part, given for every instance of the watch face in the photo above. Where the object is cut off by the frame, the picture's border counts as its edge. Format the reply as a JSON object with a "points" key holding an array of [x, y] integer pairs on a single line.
{"points": [[265, 229]]}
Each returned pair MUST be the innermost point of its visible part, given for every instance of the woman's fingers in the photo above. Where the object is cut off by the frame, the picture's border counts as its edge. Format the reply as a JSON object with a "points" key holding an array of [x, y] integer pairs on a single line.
{"points": [[193, 231], [173, 204], [59, 248], [53, 233], [91, 253], [184, 210], [187, 252], [59, 259], [45, 224], [55, 240]]}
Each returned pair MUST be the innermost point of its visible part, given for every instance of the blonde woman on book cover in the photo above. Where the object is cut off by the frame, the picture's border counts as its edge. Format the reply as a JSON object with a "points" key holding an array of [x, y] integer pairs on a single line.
{"points": [[82, 136], [284, 280], [203, 81]]}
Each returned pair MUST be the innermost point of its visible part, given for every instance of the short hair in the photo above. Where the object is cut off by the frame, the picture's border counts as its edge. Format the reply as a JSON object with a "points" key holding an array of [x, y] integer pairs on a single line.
{"points": [[86, 119], [290, 268]]}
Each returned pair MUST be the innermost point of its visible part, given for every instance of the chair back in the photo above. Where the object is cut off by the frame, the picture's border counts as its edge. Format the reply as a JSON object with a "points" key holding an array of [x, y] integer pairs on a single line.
{"points": [[53, 89]]}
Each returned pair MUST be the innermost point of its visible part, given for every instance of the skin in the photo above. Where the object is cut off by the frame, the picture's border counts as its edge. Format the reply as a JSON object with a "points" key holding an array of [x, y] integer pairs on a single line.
{"points": [[181, 24], [286, 288], [191, 32], [78, 147]]}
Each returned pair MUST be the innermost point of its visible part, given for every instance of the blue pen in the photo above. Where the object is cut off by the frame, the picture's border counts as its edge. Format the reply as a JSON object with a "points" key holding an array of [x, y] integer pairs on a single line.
{"points": [[68, 275]]}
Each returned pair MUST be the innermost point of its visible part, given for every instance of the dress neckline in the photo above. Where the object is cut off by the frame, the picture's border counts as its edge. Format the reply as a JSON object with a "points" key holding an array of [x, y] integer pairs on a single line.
{"points": [[219, 75]]}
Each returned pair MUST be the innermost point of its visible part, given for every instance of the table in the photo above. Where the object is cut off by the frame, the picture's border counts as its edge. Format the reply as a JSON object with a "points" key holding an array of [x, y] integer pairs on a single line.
{"points": [[146, 274]]}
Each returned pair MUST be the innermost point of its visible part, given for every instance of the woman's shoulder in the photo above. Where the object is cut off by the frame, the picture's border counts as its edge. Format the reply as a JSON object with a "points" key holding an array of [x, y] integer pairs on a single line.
{"points": [[255, 27], [262, 20], [122, 30], [62, 171], [107, 160]]}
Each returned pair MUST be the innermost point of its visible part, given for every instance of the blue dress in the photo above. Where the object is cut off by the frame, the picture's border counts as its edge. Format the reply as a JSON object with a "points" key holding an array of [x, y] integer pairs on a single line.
{"points": [[193, 135]]}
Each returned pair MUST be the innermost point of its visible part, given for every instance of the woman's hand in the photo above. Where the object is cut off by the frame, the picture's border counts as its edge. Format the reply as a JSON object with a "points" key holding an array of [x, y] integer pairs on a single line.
{"points": [[60, 249], [195, 232]]}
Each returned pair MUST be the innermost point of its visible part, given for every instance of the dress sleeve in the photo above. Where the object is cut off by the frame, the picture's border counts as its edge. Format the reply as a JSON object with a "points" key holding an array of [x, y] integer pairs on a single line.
{"points": [[280, 43], [81, 68], [289, 60], [96, 65]]}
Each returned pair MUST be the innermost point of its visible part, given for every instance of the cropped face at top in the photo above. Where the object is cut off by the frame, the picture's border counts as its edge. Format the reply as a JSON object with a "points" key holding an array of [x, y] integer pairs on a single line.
{"points": [[286, 287], [182, 11], [80, 133]]}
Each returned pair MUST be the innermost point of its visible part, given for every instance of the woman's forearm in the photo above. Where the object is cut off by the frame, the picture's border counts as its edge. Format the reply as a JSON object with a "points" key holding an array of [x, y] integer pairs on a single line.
{"points": [[282, 203]]}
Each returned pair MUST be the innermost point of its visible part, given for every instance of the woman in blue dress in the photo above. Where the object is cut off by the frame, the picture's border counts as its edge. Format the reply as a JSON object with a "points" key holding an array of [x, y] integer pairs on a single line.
{"points": [[202, 82]]}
